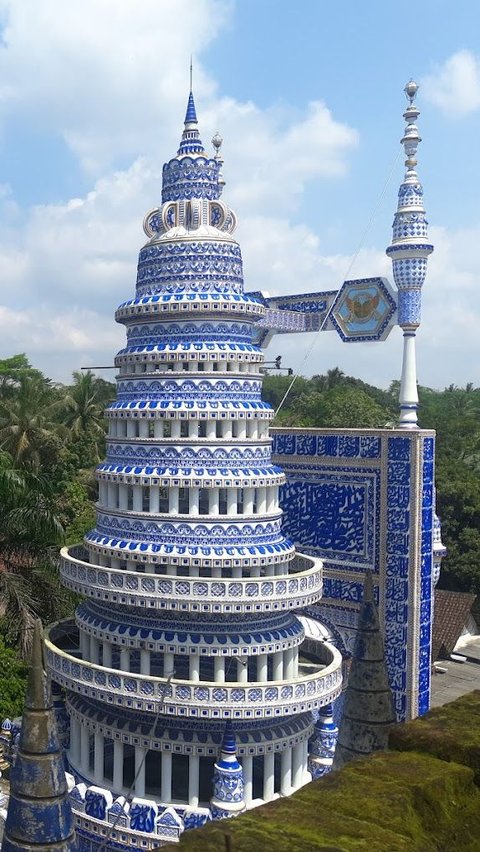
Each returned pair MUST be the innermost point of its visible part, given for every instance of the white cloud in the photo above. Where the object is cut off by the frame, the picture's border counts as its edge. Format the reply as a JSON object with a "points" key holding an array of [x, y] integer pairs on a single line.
{"points": [[65, 267], [105, 75], [454, 86]]}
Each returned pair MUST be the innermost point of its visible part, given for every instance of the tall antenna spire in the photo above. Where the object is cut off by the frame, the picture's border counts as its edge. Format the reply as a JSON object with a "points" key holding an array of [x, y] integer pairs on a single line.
{"points": [[191, 72], [409, 252]]}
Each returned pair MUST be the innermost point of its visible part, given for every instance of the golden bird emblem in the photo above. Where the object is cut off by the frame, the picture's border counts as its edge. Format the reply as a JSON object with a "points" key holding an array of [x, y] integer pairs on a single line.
{"points": [[362, 306]]}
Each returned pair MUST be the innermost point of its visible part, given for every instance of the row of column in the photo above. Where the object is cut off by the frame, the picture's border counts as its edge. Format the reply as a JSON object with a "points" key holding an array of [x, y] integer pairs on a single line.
{"points": [[188, 501], [284, 663], [294, 767], [279, 569], [243, 429], [193, 366]]}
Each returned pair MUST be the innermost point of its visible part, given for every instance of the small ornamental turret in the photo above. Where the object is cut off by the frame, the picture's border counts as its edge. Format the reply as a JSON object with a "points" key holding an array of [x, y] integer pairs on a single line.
{"points": [[322, 744], [227, 800], [39, 815], [409, 252]]}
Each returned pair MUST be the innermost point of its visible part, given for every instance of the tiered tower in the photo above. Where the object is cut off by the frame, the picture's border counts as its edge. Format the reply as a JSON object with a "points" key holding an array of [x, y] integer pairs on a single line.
{"points": [[190, 586]]}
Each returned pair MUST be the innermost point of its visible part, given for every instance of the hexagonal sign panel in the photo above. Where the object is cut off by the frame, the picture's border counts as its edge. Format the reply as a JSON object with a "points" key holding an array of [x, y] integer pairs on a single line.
{"points": [[365, 309]]}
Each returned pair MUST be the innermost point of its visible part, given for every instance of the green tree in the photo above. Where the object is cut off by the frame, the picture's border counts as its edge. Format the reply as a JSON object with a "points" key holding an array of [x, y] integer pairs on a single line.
{"points": [[30, 534], [27, 431], [13, 678]]}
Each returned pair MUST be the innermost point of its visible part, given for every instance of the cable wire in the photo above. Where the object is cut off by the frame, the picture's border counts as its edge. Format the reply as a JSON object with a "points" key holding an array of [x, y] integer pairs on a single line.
{"points": [[345, 278]]}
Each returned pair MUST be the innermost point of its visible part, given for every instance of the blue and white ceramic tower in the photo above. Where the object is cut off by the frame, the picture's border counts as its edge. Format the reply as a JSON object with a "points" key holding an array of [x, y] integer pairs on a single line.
{"points": [[191, 588], [409, 253]]}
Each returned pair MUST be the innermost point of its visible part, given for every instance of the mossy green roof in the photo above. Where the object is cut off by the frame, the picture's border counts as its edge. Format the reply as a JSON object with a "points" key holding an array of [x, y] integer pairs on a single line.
{"points": [[396, 801]]}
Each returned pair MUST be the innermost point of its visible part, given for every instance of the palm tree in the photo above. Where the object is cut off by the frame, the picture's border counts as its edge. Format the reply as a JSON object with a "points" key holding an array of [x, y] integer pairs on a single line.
{"points": [[83, 413], [26, 430], [29, 530]]}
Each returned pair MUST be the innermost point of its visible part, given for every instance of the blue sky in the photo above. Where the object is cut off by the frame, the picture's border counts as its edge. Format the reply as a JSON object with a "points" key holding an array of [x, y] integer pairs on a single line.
{"points": [[309, 100]]}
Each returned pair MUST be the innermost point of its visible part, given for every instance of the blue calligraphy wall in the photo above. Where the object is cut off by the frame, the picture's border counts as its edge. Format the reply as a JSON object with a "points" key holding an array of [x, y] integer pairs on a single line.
{"points": [[364, 499]]}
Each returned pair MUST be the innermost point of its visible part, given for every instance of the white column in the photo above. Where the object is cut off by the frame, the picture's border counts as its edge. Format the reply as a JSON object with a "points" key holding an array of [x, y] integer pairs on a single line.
{"points": [[125, 659], [137, 498], [262, 667], [286, 772], [261, 500], [247, 764], [173, 500], [175, 429], [278, 665], [154, 504], [297, 766], [213, 501], [143, 428], [166, 776], [112, 495], [306, 774], [242, 430], [102, 492], [231, 501], [194, 668], [144, 661], [93, 649], [117, 766], [193, 500], [268, 777], [242, 670], [107, 654], [139, 772], [98, 758], [123, 496], [168, 661], [193, 780], [74, 741], [193, 429], [248, 498], [271, 503], [84, 750], [84, 645], [288, 670], [295, 660], [211, 429], [219, 669], [131, 428], [227, 430], [408, 396]]}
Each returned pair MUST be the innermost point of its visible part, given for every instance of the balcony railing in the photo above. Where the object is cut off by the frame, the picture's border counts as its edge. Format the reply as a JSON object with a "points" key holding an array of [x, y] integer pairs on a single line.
{"points": [[254, 700], [301, 587]]}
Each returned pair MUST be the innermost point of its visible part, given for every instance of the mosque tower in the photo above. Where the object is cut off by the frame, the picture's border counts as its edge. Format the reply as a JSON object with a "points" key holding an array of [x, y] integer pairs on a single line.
{"points": [[185, 685], [409, 253]]}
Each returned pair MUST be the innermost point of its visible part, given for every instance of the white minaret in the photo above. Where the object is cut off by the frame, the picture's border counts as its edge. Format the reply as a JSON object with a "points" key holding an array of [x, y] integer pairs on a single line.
{"points": [[409, 252]]}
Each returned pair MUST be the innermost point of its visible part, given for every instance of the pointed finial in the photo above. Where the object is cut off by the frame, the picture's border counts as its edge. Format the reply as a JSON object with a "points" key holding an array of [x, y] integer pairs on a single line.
{"points": [[411, 90], [217, 142]]}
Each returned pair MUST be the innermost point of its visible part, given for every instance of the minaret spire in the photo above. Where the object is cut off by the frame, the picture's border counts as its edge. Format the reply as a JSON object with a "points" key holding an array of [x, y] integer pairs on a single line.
{"points": [[39, 816], [409, 251], [191, 142]]}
